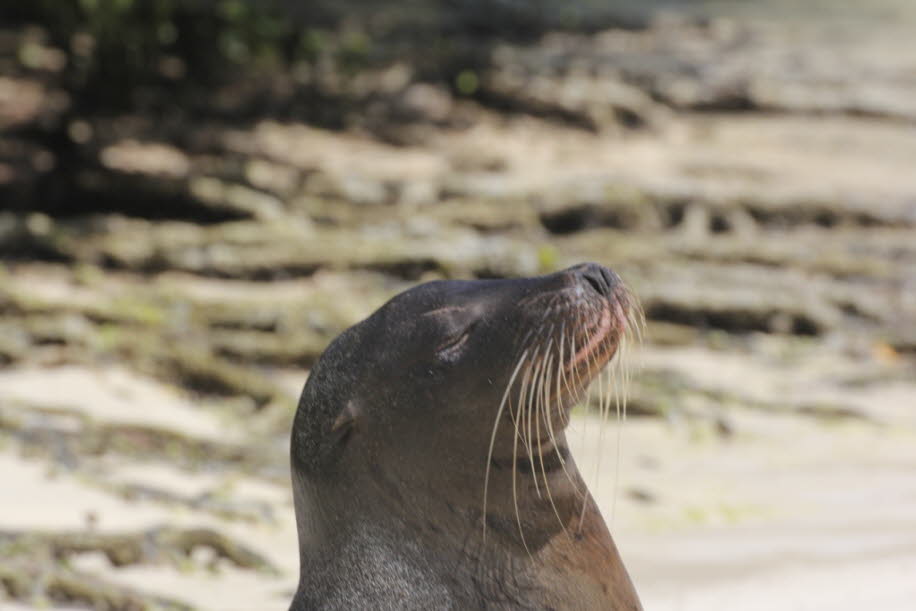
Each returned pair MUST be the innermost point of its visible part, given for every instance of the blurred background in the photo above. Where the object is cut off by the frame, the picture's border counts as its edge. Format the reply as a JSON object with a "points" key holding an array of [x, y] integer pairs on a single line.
{"points": [[197, 195]]}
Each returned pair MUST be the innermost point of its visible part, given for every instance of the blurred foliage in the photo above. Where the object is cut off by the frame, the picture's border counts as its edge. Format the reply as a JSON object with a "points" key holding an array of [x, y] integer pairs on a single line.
{"points": [[116, 46]]}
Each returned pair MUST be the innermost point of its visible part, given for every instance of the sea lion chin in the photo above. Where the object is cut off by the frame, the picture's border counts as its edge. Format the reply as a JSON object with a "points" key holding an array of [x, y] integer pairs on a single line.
{"points": [[429, 460]]}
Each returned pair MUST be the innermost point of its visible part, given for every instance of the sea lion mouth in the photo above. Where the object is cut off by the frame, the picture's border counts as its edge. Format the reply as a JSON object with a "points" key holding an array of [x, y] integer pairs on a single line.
{"points": [[594, 343], [602, 339], [599, 341]]}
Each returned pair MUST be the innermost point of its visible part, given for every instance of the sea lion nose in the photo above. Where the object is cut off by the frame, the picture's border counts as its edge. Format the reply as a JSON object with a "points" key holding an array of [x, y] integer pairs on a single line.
{"points": [[600, 278]]}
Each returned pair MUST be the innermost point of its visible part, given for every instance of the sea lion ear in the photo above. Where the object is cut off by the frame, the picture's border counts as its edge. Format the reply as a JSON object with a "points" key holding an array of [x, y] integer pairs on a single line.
{"points": [[345, 422]]}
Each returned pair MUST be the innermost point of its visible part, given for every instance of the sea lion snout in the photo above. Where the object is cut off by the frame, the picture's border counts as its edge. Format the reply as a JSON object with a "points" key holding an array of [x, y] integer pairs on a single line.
{"points": [[596, 277]]}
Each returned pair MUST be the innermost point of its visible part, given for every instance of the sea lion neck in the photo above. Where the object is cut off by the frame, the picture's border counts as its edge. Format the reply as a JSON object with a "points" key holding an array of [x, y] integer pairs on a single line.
{"points": [[521, 516], [440, 553]]}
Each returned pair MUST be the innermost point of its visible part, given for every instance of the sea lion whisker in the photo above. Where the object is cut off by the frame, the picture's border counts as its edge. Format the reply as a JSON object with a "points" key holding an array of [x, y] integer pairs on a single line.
{"points": [[573, 370], [530, 394], [516, 412], [625, 372], [623, 367], [574, 374], [518, 517], [613, 379], [526, 339], [524, 394], [529, 414], [639, 315], [548, 418], [603, 409], [540, 407], [588, 342], [565, 378], [561, 379], [542, 403], [499, 413], [635, 325]]}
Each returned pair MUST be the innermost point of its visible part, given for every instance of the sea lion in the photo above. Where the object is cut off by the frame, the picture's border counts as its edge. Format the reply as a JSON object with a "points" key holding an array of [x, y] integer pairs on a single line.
{"points": [[430, 467]]}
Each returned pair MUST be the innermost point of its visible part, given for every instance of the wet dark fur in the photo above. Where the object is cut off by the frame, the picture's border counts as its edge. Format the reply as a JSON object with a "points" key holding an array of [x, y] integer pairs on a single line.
{"points": [[419, 476]]}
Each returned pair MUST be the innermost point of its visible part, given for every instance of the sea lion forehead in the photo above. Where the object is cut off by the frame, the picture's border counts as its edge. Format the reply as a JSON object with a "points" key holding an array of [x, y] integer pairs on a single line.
{"points": [[443, 296]]}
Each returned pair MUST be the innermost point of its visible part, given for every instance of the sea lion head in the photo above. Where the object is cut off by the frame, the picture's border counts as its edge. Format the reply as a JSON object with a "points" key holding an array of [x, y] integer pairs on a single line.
{"points": [[450, 378]]}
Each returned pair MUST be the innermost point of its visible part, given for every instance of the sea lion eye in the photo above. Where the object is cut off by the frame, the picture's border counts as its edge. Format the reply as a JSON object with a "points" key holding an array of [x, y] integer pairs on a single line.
{"points": [[450, 349]]}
